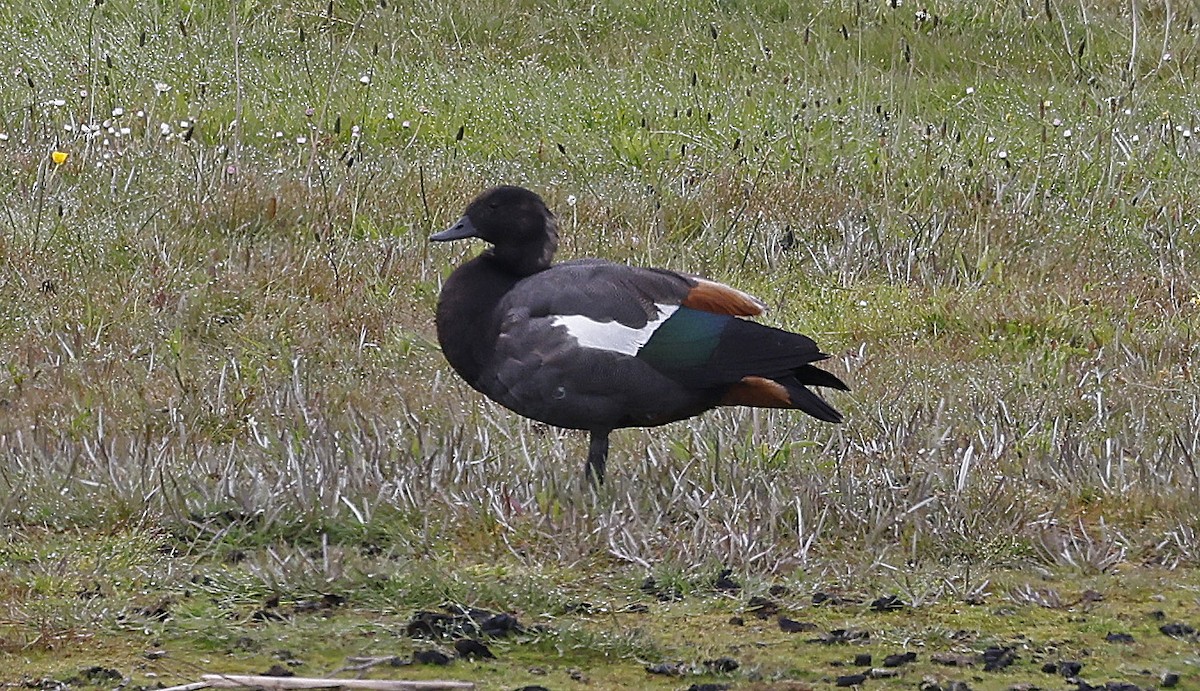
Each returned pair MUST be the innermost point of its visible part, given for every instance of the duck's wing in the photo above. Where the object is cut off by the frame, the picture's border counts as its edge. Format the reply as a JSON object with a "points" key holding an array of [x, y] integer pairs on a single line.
{"points": [[608, 340]]}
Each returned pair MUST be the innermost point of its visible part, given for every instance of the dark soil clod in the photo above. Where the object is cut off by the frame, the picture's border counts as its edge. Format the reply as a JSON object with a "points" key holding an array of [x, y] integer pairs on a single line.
{"points": [[1067, 668], [431, 657], [862, 660], [1115, 637], [762, 607], [792, 626], [1178, 630], [278, 670], [837, 636], [470, 648], [887, 603], [952, 659], [661, 593], [851, 680], [725, 583], [899, 659], [500, 625], [997, 658], [670, 669], [721, 665]]}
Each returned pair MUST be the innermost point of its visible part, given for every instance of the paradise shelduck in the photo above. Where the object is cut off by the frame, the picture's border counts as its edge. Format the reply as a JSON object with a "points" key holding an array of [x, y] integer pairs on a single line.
{"points": [[593, 345]]}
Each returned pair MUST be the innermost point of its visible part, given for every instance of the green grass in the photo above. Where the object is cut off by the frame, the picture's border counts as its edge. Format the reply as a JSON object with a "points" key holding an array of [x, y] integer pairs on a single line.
{"points": [[219, 365]]}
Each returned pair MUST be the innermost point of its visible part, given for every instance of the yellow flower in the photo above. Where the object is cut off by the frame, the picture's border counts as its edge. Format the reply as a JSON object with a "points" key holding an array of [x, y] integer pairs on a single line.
{"points": [[59, 157]]}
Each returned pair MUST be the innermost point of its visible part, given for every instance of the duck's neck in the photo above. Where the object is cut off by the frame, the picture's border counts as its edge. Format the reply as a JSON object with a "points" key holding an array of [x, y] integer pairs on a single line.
{"points": [[466, 314], [534, 254]]}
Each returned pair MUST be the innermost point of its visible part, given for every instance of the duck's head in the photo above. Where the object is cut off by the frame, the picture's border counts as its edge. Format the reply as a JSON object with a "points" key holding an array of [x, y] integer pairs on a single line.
{"points": [[523, 232]]}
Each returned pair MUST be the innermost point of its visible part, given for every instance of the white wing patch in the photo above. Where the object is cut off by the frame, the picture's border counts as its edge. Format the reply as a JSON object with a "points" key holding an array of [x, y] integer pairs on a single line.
{"points": [[612, 335]]}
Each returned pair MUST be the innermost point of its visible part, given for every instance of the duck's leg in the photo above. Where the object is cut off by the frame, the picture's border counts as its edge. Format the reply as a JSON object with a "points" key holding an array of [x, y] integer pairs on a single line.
{"points": [[597, 456]]}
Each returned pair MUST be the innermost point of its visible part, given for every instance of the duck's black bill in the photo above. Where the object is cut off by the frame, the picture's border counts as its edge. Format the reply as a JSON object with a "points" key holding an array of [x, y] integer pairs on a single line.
{"points": [[462, 229]]}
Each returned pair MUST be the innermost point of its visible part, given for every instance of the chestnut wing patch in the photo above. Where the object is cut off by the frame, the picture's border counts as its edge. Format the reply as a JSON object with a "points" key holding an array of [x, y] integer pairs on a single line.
{"points": [[718, 298]]}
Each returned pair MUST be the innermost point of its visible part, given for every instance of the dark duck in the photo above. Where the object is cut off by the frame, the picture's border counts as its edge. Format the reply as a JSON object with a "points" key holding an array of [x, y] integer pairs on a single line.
{"points": [[597, 346]]}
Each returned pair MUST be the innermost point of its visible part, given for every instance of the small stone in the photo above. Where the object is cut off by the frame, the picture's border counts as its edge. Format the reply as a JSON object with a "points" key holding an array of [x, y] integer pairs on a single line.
{"points": [[1168, 680], [1119, 638], [862, 660], [850, 680]]}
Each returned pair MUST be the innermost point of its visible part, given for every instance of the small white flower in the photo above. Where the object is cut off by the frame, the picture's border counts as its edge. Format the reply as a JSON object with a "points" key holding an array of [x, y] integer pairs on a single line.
{"points": [[1135, 139], [1167, 57], [571, 200], [1057, 122], [140, 113], [70, 127], [278, 134], [301, 139], [83, 93], [391, 116], [970, 90], [165, 129], [406, 124], [118, 112], [58, 102], [1129, 111], [365, 79], [3, 136], [184, 124], [1187, 134], [162, 87], [1067, 133], [1002, 154], [990, 139], [862, 303]]}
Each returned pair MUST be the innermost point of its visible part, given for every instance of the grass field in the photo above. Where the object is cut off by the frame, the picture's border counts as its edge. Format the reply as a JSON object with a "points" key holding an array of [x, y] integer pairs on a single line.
{"points": [[222, 400]]}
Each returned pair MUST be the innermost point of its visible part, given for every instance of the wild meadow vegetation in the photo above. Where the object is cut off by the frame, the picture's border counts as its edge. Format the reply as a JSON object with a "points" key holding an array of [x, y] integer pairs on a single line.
{"points": [[221, 386]]}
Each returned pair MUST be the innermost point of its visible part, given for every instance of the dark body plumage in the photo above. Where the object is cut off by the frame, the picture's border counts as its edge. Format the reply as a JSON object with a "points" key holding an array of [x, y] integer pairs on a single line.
{"points": [[594, 345]]}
